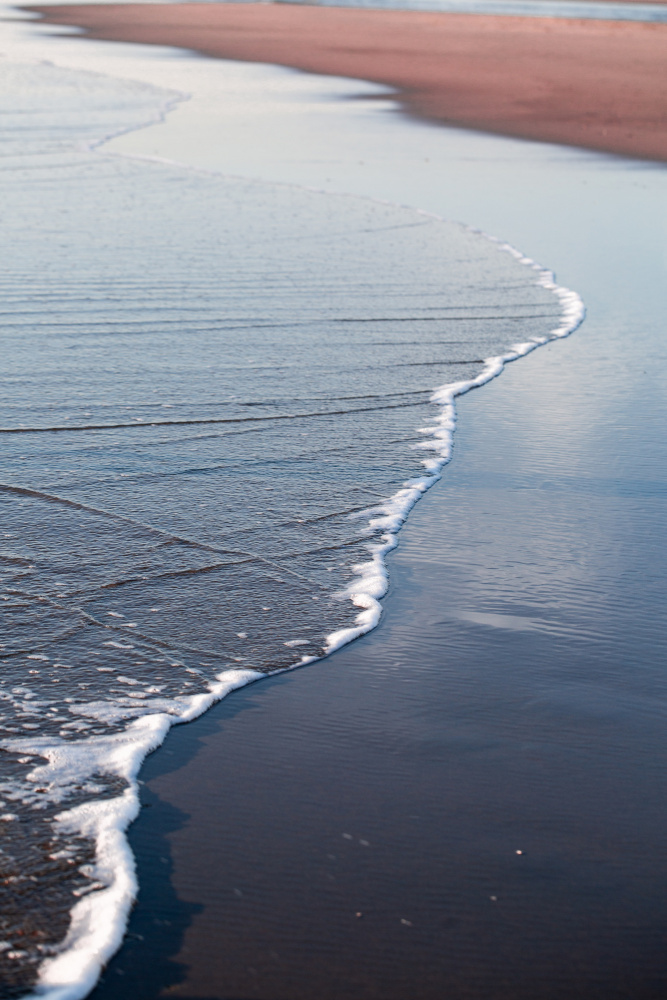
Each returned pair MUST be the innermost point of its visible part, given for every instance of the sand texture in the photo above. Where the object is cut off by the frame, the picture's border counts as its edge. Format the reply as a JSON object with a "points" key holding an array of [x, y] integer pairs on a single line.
{"points": [[596, 84]]}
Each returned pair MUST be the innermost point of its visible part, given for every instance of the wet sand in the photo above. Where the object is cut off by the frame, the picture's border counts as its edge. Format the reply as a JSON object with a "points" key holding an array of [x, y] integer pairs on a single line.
{"points": [[594, 84], [513, 698], [469, 802]]}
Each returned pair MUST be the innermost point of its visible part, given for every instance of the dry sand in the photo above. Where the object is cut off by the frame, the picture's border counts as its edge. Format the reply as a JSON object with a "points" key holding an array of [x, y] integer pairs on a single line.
{"points": [[596, 84]]}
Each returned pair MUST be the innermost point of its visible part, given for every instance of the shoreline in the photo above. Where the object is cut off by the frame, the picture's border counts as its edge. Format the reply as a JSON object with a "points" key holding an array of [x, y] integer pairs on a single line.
{"points": [[208, 780], [474, 777], [53, 972], [591, 84]]}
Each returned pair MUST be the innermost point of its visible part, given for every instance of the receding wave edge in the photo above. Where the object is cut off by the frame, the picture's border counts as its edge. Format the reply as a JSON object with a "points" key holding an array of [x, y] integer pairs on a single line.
{"points": [[98, 920]]}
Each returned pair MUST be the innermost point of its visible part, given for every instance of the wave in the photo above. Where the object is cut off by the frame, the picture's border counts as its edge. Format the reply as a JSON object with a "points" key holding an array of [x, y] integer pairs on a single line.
{"points": [[148, 568]]}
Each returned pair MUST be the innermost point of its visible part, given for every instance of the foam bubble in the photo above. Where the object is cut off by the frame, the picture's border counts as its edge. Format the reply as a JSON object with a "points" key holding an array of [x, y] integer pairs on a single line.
{"points": [[98, 920]]}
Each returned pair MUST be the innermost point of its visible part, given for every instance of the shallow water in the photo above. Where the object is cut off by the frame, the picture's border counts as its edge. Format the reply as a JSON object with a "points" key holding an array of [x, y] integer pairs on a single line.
{"points": [[512, 699], [213, 389], [514, 693]]}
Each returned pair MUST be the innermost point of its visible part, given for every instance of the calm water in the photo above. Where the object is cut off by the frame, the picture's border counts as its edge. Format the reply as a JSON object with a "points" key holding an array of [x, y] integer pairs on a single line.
{"points": [[216, 409], [512, 699]]}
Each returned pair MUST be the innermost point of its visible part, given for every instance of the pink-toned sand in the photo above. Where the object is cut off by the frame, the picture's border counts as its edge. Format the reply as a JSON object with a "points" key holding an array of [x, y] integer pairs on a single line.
{"points": [[596, 84]]}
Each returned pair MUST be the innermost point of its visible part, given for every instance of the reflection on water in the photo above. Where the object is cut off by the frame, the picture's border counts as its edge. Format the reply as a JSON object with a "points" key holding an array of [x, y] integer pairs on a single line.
{"points": [[509, 782], [445, 740]]}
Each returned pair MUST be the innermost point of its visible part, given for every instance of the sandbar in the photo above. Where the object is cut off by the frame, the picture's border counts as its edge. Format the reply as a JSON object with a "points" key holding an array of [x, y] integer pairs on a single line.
{"points": [[594, 84]]}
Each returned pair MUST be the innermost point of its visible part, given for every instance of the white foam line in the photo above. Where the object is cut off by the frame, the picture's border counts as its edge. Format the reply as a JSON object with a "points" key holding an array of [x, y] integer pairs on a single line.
{"points": [[372, 579], [98, 921]]}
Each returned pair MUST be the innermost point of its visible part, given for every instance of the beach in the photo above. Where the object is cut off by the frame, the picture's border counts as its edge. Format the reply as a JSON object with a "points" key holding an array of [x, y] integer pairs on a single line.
{"points": [[477, 778], [467, 800], [596, 84]]}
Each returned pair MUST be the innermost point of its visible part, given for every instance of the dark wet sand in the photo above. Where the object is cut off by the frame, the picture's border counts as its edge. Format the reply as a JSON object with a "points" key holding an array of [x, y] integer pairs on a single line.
{"points": [[596, 84], [495, 710], [513, 699]]}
